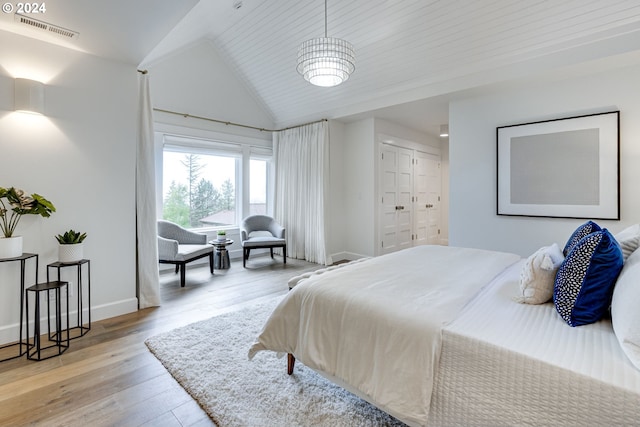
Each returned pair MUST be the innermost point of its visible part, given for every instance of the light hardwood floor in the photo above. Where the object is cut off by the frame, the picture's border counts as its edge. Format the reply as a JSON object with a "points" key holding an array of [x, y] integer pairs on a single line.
{"points": [[109, 378]]}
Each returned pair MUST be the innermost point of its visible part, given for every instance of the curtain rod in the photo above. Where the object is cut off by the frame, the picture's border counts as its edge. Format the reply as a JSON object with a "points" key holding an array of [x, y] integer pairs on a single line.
{"points": [[187, 115]]}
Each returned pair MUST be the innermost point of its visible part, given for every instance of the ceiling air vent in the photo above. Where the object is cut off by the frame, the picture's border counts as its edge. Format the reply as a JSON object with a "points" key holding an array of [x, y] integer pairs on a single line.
{"points": [[45, 26]]}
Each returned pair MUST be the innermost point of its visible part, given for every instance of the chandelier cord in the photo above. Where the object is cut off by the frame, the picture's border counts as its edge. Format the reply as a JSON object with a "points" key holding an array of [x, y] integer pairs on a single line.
{"points": [[325, 19]]}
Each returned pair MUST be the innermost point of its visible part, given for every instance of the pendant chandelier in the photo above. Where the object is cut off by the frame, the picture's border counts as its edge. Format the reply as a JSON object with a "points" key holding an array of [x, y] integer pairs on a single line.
{"points": [[326, 61]]}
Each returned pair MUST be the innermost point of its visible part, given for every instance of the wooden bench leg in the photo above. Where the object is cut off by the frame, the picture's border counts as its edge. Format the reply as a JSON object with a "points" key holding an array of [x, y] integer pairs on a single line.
{"points": [[291, 361]]}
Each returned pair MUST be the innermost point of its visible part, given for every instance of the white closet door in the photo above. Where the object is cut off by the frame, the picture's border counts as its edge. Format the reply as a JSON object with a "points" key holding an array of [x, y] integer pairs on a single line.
{"points": [[396, 190], [427, 187], [420, 205], [405, 192], [388, 197], [434, 189]]}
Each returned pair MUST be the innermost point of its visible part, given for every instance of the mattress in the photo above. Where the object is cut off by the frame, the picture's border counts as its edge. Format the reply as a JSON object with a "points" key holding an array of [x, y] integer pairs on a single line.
{"points": [[504, 363]]}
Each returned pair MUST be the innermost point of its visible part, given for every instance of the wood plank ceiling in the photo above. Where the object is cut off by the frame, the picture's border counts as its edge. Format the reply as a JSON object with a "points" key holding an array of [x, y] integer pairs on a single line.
{"points": [[403, 47]]}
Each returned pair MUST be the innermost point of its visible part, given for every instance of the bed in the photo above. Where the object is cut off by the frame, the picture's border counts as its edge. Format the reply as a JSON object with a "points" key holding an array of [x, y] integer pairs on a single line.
{"points": [[432, 335]]}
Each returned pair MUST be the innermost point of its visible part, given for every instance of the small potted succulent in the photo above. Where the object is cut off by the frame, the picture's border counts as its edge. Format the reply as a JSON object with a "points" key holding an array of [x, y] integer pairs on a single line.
{"points": [[70, 248], [222, 235]]}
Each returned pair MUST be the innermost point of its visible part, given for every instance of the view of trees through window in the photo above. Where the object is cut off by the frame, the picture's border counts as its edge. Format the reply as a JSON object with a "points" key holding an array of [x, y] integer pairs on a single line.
{"points": [[199, 190]]}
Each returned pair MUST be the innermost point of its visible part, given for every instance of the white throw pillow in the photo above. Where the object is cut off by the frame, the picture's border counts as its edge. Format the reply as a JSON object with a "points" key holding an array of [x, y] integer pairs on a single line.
{"points": [[625, 314], [538, 275], [629, 240]]}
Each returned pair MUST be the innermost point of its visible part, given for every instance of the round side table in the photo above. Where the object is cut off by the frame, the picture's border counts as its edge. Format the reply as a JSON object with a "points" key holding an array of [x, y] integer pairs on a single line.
{"points": [[221, 258]]}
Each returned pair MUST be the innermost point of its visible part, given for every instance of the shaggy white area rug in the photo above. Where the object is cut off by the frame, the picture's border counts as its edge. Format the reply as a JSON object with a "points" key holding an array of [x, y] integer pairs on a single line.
{"points": [[209, 359]]}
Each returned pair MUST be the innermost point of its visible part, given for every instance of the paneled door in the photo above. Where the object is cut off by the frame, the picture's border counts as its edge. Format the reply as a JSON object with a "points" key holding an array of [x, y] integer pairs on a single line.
{"points": [[396, 188], [427, 184], [434, 189], [421, 197], [405, 192]]}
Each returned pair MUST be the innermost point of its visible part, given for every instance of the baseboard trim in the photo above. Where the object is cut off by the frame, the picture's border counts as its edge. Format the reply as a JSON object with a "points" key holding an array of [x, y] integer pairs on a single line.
{"points": [[117, 308], [348, 256], [10, 333]]}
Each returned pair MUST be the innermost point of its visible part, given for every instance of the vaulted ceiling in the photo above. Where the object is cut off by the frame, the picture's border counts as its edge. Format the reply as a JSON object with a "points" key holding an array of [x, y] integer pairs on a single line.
{"points": [[406, 50]]}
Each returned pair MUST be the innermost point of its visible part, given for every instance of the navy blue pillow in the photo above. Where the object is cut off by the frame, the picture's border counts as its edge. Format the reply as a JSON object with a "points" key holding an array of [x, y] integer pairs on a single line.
{"points": [[585, 280], [580, 232]]}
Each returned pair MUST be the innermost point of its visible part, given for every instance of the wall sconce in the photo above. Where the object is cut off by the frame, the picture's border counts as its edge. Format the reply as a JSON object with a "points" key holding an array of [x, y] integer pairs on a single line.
{"points": [[444, 131], [28, 96]]}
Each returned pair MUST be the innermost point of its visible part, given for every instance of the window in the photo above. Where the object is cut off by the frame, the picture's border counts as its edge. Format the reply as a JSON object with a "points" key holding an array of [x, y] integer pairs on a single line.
{"points": [[202, 182]]}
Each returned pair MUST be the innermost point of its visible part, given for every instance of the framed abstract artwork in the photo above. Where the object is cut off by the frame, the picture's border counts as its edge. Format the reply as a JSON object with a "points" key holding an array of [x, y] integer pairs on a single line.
{"points": [[562, 168]]}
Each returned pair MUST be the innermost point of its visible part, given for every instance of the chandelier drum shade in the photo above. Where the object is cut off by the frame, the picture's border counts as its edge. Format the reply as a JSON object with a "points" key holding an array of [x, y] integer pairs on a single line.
{"points": [[326, 61]]}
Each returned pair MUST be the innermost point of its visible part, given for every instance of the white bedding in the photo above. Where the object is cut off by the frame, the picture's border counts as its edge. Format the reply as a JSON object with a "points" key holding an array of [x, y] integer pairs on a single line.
{"points": [[504, 363], [373, 325]]}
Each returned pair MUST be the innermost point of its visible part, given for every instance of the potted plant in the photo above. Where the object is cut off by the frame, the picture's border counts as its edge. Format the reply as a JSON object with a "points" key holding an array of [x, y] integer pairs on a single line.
{"points": [[70, 248], [222, 235], [13, 204]]}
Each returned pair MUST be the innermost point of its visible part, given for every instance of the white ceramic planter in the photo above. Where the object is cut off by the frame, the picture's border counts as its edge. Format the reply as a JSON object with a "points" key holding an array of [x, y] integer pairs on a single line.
{"points": [[70, 253], [10, 247]]}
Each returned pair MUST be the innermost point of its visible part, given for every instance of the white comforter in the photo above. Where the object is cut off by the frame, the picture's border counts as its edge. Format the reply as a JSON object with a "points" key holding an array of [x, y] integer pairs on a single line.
{"points": [[376, 325]]}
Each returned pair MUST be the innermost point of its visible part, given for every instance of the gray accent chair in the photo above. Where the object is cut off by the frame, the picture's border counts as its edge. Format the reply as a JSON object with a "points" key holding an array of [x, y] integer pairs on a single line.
{"points": [[261, 231], [179, 246]]}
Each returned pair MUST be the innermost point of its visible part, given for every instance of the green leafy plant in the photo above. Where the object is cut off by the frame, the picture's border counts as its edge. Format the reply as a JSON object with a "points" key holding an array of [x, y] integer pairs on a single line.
{"points": [[71, 237], [222, 233], [14, 203]]}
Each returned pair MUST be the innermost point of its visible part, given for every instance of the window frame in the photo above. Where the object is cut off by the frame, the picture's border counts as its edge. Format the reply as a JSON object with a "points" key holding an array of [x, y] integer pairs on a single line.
{"points": [[242, 148]]}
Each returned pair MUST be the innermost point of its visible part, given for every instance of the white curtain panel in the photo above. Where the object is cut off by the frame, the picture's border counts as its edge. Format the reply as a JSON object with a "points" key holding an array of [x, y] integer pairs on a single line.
{"points": [[148, 277], [302, 175]]}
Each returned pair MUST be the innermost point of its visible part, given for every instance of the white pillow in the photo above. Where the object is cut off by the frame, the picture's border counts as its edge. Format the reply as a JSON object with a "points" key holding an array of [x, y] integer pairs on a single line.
{"points": [[625, 314], [629, 240], [538, 275]]}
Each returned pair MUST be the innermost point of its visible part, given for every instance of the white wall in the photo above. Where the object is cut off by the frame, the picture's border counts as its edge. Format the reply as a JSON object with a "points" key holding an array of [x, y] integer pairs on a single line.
{"points": [[472, 124], [81, 156], [336, 210], [359, 197], [195, 80]]}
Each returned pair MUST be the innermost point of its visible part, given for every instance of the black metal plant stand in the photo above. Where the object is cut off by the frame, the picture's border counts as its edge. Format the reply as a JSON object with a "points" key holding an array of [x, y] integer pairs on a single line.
{"points": [[81, 326], [22, 345], [60, 335]]}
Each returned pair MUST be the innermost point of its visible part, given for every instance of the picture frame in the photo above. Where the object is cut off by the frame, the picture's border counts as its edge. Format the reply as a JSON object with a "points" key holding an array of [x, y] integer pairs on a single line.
{"points": [[561, 168]]}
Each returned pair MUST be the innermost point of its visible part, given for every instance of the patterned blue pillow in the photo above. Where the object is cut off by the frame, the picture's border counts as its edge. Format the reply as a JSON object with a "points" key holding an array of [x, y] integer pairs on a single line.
{"points": [[585, 280], [580, 232]]}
